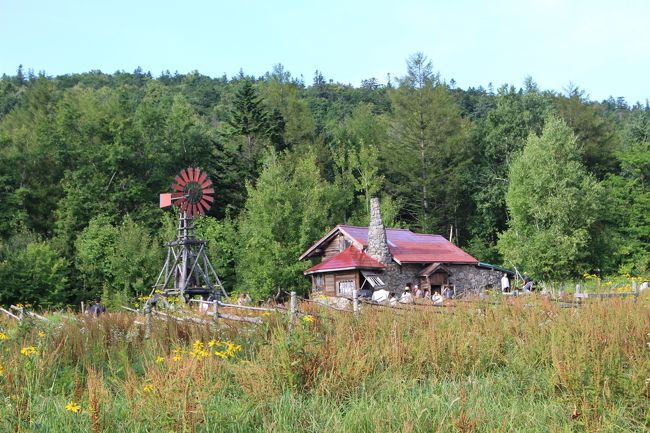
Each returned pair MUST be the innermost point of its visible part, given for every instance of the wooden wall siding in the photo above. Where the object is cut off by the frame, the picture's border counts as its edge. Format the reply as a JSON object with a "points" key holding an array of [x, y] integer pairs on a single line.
{"points": [[330, 286], [424, 283], [438, 278], [333, 247], [338, 243]]}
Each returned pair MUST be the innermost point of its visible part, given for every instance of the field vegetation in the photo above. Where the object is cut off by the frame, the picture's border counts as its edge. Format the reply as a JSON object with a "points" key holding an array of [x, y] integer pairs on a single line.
{"points": [[525, 365]]}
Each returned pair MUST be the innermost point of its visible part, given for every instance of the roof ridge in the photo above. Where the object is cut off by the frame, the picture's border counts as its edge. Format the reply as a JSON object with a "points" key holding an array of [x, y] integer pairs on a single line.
{"points": [[366, 227]]}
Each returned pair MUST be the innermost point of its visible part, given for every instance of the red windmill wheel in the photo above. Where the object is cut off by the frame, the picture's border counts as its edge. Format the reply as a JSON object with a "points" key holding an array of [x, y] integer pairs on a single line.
{"points": [[193, 192]]}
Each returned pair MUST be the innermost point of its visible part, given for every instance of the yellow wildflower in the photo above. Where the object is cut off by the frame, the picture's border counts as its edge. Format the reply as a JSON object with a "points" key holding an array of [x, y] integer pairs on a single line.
{"points": [[29, 351], [266, 313], [41, 334], [3, 336], [308, 318], [221, 355], [176, 358], [213, 343], [147, 387], [198, 345], [201, 353], [2, 370], [160, 360], [199, 350], [73, 407]]}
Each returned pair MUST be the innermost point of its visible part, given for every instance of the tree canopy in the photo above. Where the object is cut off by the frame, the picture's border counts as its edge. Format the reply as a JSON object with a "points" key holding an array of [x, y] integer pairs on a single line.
{"points": [[553, 183]]}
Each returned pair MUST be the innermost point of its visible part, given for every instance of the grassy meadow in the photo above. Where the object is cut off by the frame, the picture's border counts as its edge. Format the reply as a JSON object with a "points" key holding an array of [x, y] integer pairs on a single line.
{"points": [[527, 365]]}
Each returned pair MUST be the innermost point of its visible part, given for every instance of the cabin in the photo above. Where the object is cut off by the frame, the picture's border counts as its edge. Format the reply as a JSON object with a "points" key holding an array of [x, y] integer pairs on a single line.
{"points": [[374, 257]]}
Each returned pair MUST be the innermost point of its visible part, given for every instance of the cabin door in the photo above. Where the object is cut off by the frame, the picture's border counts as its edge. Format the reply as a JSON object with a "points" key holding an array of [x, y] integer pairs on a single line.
{"points": [[437, 280]]}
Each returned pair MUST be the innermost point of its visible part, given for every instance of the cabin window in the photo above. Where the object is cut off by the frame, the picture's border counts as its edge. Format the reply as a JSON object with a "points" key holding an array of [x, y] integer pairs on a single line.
{"points": [[319, 282], [344, 244], [345, 287]]}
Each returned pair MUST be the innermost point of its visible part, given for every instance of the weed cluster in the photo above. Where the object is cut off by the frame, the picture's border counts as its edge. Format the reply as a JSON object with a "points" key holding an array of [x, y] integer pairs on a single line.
{"points": [[526, 366]]}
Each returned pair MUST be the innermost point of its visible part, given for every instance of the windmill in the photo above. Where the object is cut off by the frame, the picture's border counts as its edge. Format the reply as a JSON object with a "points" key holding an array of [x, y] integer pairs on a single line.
{"points": [[187, 270]]}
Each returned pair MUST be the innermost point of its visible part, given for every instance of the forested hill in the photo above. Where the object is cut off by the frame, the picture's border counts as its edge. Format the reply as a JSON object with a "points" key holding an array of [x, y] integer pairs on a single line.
{"points": [[553, 183]]}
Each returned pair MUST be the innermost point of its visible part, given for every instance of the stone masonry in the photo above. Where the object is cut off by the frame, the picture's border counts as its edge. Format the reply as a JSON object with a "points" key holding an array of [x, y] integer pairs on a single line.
{"points": [[377, 242], [472, 278]]}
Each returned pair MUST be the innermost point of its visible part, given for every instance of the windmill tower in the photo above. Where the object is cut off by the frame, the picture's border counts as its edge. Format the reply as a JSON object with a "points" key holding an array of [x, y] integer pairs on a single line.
{"points": [[187, 270]]}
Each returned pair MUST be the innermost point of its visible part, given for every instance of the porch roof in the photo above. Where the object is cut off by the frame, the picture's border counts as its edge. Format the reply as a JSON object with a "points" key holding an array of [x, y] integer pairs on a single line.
{"points": [[350, 258]]}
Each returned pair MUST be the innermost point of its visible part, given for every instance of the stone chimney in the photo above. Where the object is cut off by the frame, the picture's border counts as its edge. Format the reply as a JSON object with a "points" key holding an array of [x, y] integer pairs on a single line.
{"points": [[377, 242]]}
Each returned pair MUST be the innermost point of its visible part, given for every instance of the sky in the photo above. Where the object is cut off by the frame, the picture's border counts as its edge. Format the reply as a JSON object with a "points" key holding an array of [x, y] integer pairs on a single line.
{"points": [[602, 47]]}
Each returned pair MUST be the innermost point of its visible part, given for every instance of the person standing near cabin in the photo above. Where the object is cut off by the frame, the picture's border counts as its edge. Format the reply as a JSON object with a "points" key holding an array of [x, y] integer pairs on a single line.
{"points": [[528, 284], [407, 297], [97, 309], [418, 291], [505, 283]]}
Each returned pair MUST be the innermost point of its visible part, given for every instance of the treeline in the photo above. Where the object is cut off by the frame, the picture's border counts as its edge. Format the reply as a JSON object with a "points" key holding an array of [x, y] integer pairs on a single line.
{"points": [[554, 184]]}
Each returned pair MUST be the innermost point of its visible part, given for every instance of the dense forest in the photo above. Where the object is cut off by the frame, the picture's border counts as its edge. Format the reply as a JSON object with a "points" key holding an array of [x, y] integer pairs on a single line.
{"points": [[551, 183]]}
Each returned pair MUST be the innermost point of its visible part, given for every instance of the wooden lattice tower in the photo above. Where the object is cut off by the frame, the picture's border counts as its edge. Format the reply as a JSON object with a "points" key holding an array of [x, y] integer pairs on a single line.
{"points": [[187, 270]]}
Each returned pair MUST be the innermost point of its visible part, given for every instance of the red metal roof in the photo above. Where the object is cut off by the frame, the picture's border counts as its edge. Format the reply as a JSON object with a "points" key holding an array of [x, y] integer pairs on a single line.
{"points": [[404, 245], [351, 258]]}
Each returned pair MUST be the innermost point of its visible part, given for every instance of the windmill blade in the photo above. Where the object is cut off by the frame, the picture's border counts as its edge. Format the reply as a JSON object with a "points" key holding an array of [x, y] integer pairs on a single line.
{"points": [[204, 204], [192, 192]]}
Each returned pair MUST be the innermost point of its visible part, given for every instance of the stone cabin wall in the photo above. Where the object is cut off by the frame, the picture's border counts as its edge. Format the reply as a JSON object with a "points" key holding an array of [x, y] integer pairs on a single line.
{"points": [[464, 277], [396, 276], [473, 278]]}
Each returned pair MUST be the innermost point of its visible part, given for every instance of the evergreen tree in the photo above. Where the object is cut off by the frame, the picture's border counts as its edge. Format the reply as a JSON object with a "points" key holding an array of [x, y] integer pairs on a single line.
{"points": [[426, 157], [248, 116]]}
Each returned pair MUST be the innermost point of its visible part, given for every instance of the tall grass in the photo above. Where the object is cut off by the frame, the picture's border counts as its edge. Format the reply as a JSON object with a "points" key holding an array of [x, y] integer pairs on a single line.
{"points": [[529, 366]]}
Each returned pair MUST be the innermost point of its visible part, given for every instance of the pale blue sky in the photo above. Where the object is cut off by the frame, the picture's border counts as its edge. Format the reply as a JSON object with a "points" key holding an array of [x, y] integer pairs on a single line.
{"points": [[600, 46]]}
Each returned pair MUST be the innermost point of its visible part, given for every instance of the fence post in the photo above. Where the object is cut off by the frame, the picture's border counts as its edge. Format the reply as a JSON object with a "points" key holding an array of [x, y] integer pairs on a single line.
{"points": [[635, 289], [215, 308], [292, 309], [355, 302], [578, 294], [83, 309], [147, 324]]}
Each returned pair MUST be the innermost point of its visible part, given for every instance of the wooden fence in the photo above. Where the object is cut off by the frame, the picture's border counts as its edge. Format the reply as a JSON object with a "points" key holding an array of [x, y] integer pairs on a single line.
{"points": [[220, 310]]}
